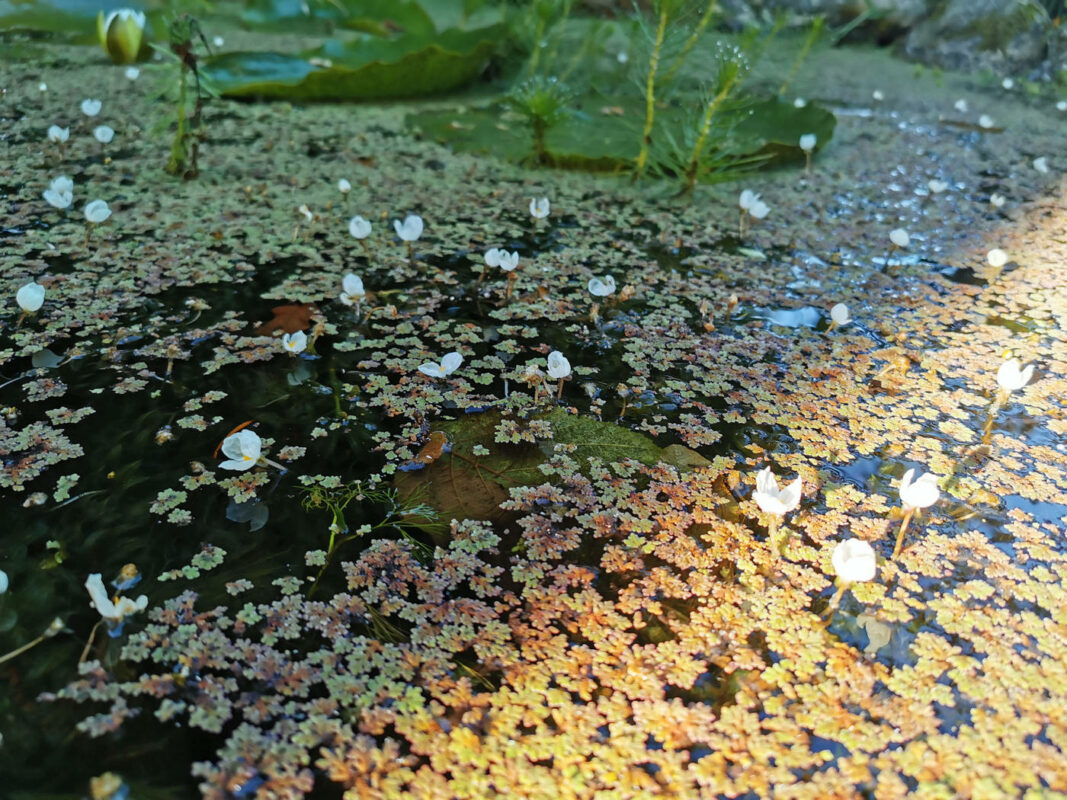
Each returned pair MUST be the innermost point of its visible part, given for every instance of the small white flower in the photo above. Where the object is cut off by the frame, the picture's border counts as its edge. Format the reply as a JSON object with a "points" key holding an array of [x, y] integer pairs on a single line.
{"points": [[1008, 84], [57, 134], [997, 258], [622, 57], [1041, 165], [807, 142], [854, 561], [508, 261], [90, 108], [43, 87], [539, 208], [133, 73], [96, 211], [30, 297], [921, 493], [747, 199], [410, 229], [295, 342], [3, 581], [602, 288], [113, 612], [305, 212], [986, 121], [103, 134], [936, 186], [352, 290], [359, 227], [1011, 377], [996, 200], [877, 96], [800, 102], [449, 364], [961, 106], [839, 314], [899, 237], [60, 192], [558, 365], [492, 256], [218, 41], [773, 500], [242, 450], [344, 186], [1061, 105], [759, 210]]}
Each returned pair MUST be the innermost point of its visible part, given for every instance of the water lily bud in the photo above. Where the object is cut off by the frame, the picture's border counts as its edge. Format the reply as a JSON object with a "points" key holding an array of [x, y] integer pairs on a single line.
{"points": [[103, 134], [90, 107], [30, 297], [854, 561], [602, 288], [997, 258], [921, 493], [539, 208], [97, 211], [1012, 376], [558, 365], [899, 237], [121, 34], [410, 229], [807, 142]]}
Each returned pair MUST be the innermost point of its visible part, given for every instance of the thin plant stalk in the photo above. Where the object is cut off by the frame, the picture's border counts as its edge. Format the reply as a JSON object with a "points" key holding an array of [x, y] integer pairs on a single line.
{"points": [[694, 37], [908, 514], [650, 91], [705, 128], [813, 36], [49, 632], [559, 390]]}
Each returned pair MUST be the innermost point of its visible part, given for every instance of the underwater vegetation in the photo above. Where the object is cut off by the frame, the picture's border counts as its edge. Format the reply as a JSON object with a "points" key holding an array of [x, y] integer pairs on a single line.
{"points": [[368, 461]]}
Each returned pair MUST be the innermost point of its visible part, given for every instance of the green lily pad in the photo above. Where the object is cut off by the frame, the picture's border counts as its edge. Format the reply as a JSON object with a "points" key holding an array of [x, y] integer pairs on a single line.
{"points": [[602, 134], [472, 480], [368, 68]]}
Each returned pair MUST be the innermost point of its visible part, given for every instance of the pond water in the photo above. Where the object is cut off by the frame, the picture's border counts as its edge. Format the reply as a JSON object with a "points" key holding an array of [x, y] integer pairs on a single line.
{"points": [[619, 615]]}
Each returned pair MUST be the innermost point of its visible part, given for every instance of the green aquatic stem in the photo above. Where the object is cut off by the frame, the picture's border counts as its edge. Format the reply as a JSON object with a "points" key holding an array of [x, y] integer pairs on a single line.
{"points": [[650, 91], [705, 128], [690, 42], [49, 632], [809, 42]]}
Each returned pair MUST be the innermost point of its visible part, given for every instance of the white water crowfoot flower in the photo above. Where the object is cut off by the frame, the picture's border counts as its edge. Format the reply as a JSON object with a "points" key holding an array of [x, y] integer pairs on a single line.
{"points": [[539, 209], [807, 144], [997, 258], [58, 136], [60, 192], [935, 186], [996, 200], [96, 213], [113, 611], [103, 134], [244, 450], [559, 368], [132, 73], [3, 581], [839, 317], [854, 561], [352, 292], [601, 287], [898, 240], [360, 229], [775, 502], [986, 121], [1041, 165], [121, 34], [90, 108], [409, 230], [915, 495], [344, 186], [295, 343], [751, 206], [1011, 377], [30, 297], [449, 364]]}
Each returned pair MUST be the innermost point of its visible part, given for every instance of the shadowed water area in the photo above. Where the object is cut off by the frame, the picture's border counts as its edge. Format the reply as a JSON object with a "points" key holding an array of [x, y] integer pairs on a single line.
{"points": [[490, 585]]}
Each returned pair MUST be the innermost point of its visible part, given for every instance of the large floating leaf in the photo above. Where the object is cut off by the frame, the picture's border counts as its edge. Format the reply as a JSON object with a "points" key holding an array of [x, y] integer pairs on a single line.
{"points": [[472, 480], [380, 17], [359, 70], [603, 135]]}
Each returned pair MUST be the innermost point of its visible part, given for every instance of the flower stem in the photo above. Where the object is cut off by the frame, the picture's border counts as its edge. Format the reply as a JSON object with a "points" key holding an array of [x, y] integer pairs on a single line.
{"points": [[835, 601], [908, 513], [49, 632], [559, 391]]}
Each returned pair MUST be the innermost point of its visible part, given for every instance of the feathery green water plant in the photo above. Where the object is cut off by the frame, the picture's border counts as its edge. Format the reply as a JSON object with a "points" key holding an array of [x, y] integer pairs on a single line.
{"points": [[543, 103], [183, 32]]}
